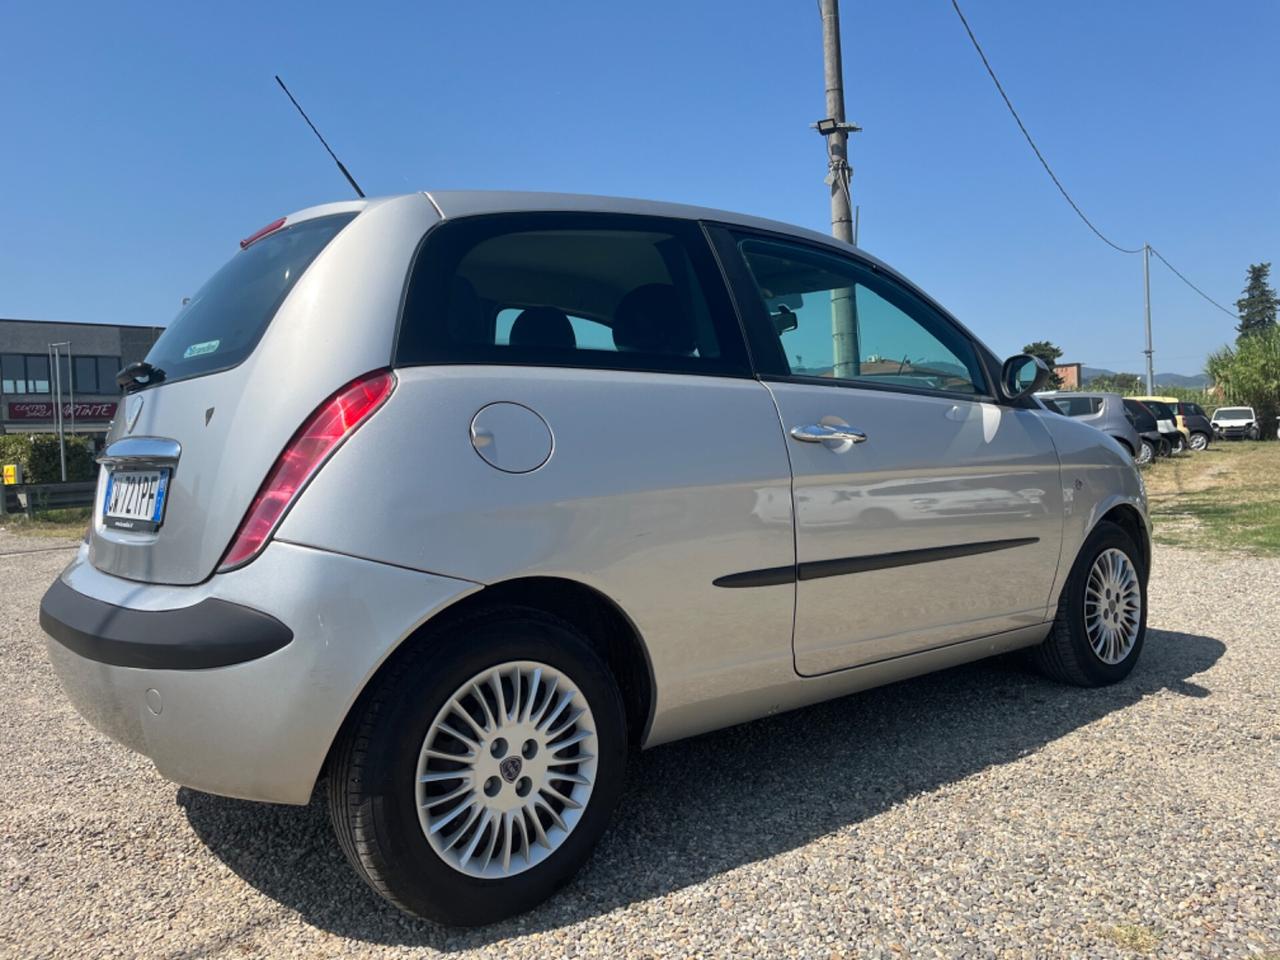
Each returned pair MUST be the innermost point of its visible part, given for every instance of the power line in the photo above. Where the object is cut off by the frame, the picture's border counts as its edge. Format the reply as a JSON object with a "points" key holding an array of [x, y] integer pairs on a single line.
{"points": [[1179, 275], [1057, 183], [1039, 156]]}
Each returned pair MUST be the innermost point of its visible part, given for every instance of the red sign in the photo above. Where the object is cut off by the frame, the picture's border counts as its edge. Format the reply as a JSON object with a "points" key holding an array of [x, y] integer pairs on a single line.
{"points": [[40, 410]]}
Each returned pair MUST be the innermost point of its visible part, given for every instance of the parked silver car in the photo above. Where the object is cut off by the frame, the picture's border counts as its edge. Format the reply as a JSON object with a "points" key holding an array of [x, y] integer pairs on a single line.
{"points": [[453, 498], [1102, 411]]}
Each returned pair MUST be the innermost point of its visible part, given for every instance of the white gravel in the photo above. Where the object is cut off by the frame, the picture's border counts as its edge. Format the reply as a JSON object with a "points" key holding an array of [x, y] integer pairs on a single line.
{"points": [[983, 811]]}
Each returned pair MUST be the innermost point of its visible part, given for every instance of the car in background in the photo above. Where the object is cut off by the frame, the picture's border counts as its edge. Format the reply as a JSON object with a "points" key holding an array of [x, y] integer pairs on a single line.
{"points": [[1192, 417], [1166, 422], [1154, 443], [1104, 411], [1236, 423], [1189, 418]]}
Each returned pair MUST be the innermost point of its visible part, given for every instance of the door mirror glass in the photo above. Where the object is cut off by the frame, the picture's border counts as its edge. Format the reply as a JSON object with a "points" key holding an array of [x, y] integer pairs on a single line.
{"points": [[1023, 375]]}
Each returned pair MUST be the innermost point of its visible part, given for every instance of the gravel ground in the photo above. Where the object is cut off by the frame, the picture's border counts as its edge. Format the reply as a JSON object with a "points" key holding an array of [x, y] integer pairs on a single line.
{"points": [[982, 811]]}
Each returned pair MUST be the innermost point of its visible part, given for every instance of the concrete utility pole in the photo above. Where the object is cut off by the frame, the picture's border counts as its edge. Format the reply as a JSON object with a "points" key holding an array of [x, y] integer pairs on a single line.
{"points": [[838, 137], [835, 129], [1146, 287]]}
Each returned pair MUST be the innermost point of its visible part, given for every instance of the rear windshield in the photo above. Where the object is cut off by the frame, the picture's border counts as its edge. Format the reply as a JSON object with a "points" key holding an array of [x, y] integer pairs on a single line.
{"points": [[227, 317], [1161, 410], [1233, 413], [1139, 416]]}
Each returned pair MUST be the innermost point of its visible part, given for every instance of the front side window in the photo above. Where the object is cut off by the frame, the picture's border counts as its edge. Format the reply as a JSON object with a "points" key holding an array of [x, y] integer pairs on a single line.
{"points": [[837, 319], [570, 290]]}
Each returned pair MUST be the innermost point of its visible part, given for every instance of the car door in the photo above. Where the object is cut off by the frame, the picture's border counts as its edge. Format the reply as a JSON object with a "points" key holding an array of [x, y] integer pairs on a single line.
{"points": [[927, 512]]}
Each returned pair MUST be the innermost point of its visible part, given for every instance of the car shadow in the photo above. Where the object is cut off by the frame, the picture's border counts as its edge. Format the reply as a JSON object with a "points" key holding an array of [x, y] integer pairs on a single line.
{"points": [[793, 778]]}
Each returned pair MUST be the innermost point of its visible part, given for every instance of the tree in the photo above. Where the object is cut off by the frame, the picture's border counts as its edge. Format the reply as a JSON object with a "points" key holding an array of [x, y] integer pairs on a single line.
{"points": [[1249, 374], [1121, 383], [1050, 354], [1258, 305]]}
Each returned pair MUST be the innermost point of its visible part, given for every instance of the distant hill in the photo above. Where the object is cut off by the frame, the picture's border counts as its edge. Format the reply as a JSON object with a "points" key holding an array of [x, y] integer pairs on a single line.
{"points": [[1196, 381]]}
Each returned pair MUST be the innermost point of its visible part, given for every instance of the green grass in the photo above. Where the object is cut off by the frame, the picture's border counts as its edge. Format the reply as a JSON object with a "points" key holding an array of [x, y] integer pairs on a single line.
{"points": [[1135, 937], [66, 522], [1223, 498]]}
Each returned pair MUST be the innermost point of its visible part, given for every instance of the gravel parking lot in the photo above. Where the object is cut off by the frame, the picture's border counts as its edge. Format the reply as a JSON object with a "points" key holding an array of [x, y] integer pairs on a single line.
{"points": [[981, 811]]}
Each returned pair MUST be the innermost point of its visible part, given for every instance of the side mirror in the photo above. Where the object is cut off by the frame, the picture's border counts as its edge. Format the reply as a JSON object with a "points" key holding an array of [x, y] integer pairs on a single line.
{"points": [[1023, 375]]}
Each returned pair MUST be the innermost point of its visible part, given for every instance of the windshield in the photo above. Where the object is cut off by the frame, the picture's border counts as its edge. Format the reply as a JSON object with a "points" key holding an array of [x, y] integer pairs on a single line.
{"points": [[1233, 413], [224, 321]]}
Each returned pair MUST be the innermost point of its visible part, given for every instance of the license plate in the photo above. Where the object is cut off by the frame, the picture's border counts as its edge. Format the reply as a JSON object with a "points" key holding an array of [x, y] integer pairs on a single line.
{"points": [[135, 499]]}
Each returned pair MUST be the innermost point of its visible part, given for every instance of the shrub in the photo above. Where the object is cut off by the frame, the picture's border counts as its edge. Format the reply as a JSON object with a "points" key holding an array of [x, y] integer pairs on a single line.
{"points": [[38, 455]]}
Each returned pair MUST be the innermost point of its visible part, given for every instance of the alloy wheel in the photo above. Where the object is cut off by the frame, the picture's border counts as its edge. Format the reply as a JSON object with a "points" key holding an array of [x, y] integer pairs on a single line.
{"points": [[506, 769], [1112, 606]]}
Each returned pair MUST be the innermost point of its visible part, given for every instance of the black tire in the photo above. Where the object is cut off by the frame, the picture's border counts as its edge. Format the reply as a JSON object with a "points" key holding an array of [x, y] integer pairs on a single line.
{"points": [[1146, 452], [1254, 433], [1180, 445], [1203, 439], [1066, 654], [373, 768], [1165, 448]]}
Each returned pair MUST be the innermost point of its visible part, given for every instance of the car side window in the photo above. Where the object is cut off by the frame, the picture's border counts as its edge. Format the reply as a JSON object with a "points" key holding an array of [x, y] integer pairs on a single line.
{"points": [[581, 290], [838, 319]]}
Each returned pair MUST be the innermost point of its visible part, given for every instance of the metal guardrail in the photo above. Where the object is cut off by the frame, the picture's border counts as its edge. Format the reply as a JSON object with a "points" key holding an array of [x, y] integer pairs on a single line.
{"points": [[30, 498]]}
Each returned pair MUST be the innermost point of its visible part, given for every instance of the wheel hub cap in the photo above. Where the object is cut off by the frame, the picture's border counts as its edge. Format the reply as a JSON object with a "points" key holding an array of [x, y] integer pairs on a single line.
{"points": [[1112, 606], [506, 769]]}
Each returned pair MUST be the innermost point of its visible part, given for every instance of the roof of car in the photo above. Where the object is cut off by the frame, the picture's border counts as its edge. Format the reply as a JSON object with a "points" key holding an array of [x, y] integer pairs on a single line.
{"points": [[465, 203]]}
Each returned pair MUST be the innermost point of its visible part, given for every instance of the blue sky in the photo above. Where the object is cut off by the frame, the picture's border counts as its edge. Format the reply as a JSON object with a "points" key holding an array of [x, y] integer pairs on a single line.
{"points": [[142, 141]]}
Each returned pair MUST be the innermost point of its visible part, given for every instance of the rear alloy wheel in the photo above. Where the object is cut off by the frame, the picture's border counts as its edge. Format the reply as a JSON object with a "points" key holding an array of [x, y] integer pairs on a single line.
{"points": [[1101, 624], [1146, 452], [506, 770], [476, 776], [1199, 441], [1180, 444]]}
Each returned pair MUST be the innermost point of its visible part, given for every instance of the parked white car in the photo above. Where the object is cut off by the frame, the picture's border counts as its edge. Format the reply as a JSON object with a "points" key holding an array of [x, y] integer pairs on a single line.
{"points": [[1236, 423], [455, 498]]}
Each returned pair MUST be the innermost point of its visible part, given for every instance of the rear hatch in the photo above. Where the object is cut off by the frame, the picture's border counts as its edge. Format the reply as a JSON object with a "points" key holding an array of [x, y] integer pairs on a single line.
{"points": [[307, 305]]}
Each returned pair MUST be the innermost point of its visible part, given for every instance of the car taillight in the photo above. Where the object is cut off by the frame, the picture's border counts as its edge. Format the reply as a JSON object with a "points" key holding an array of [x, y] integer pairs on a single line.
{"points": [[318, 437], [271, 227]]}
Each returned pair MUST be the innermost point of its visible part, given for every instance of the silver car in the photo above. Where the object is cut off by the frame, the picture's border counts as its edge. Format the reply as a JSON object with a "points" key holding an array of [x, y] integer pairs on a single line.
{"points": [[448, 501], [1105, 412]]}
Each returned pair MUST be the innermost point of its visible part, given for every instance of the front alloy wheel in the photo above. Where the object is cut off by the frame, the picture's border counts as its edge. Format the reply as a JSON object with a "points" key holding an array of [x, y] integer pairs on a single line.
{"points": [[1112, 606], [1101, 623]]}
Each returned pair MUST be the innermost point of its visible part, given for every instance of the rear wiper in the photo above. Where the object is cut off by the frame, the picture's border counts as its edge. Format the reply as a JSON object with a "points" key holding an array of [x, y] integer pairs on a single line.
{"points": [[138, 375]]}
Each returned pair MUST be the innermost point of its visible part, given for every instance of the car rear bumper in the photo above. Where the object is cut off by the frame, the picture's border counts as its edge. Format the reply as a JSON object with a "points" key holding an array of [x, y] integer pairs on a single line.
{"points": [[239, 685]]}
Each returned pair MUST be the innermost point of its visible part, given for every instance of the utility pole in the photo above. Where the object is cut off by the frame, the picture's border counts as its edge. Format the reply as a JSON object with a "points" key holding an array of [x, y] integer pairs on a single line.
{"points": [[835, 129], [838, 137], [1146, 286], [55, 382]]}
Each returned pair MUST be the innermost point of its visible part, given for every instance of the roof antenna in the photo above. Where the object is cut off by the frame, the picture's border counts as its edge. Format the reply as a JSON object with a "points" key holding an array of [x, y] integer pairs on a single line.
{"points": [[350, 179]]}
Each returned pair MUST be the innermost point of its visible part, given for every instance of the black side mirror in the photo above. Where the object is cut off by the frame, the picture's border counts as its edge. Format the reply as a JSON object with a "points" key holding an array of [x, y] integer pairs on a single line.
{"points": [[1023, 375]]}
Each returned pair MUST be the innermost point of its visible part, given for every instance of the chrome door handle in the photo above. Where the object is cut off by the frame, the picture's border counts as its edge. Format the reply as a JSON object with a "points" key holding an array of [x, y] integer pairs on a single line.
{"points": [[818, 432]]}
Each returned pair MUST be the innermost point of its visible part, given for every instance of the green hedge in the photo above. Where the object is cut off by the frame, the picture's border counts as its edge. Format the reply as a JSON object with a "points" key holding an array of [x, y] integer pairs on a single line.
{"points": [[38, 454]]}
